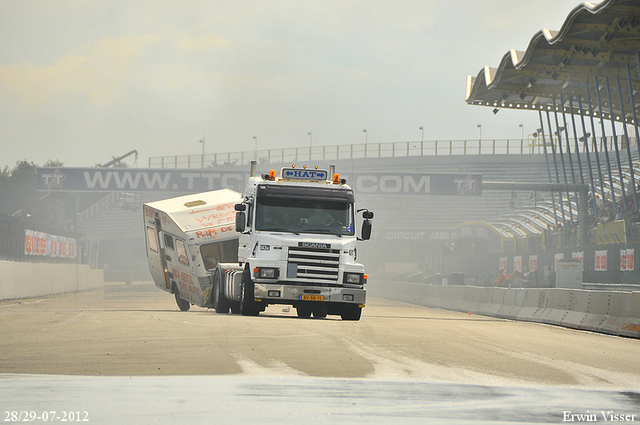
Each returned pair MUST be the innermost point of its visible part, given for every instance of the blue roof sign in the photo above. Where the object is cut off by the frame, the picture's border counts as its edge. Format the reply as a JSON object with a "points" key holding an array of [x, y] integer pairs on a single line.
{"points": [[304, 174]]}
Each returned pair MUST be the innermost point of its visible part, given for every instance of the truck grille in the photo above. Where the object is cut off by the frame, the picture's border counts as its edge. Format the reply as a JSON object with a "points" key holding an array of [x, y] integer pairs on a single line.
{"points": [[313, 263]]}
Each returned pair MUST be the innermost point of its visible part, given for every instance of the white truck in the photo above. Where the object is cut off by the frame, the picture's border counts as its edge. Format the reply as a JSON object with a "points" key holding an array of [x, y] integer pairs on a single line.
{"points": [[296, 245]]}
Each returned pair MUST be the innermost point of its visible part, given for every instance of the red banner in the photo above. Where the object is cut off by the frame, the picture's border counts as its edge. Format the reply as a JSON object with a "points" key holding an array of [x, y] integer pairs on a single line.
{"points": [[47, 245], [601, 261]]}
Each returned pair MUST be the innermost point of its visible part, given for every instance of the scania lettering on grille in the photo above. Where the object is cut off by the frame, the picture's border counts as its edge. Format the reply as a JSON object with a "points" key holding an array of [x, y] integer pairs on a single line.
{"points": [[314, 245]]}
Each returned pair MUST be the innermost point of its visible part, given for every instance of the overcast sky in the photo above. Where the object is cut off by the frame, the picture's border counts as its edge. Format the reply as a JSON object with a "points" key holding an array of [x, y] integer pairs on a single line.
{"points": [[82, 81]]}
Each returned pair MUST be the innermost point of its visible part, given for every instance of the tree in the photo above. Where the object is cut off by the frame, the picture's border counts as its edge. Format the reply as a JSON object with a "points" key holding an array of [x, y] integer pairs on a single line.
{"points": [[53, 164], [18, 195], [17, 187]]}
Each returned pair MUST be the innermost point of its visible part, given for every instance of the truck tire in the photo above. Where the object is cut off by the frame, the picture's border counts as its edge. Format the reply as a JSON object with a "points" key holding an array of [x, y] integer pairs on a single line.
{"points": [[220, 303], [351, 312], [183, 305], [303, 311], [320, 311], [248, 305]]}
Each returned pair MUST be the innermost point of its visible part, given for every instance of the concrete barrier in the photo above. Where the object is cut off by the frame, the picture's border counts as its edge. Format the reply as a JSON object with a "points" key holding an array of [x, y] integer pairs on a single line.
{"points": [[618, 309], [458, 292], [578, 309], [631, 327], [484, 300], [597, 311], [496, 300], [28, 280], [611, 312], [509, 306], [475, 299], [531, 304]]}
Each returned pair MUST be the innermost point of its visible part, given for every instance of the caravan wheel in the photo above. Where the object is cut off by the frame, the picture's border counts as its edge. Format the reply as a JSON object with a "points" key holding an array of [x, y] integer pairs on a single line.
{"points": [[183, 305]]}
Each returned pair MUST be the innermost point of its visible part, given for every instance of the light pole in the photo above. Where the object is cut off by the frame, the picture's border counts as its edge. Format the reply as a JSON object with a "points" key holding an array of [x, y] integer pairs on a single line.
{"points": [[422, 129], [480, 127], [365, 142], [310, 144], [256, 139], [522, 127], [202, 160], [538, 135]]}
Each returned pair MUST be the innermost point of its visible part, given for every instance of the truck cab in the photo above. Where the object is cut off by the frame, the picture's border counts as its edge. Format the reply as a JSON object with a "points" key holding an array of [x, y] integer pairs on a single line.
{"points": [[297, 244]]}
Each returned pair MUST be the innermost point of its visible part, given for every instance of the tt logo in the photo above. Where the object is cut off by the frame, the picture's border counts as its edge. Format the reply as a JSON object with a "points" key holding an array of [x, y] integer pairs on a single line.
{"points": [[466, 185], [54, 179]]}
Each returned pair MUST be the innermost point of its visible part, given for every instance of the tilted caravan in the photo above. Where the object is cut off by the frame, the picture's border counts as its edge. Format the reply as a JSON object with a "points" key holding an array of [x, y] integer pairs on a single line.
{"points": [[189, 240]]}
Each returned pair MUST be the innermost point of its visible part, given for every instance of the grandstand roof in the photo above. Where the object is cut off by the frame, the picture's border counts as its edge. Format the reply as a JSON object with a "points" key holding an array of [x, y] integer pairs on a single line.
{"points": [[595, 41]]}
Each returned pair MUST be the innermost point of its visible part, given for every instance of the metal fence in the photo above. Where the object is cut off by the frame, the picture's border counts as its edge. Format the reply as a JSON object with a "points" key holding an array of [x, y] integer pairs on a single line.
{"points": [[373, 150]]}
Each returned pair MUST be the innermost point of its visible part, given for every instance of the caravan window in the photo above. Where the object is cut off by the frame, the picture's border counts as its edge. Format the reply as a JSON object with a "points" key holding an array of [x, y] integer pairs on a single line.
{"points": [[182, 252], [168, 241], [151, 239], [219, 252]]}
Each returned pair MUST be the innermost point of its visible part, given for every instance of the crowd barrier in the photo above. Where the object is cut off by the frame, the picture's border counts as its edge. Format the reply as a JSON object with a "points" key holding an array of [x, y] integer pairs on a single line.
{"points": [[609, 312], [27, 280]]}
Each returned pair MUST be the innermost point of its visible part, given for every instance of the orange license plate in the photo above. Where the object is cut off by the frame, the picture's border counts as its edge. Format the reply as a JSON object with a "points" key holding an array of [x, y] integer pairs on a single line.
{"points": [[312, 297]]}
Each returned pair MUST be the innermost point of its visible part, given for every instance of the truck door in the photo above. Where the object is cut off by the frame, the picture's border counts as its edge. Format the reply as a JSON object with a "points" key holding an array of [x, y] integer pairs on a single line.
{"points": [[180, 269], [156, 257]]}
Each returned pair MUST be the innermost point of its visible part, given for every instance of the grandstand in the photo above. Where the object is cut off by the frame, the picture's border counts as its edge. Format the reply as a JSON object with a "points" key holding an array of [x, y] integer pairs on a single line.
{"points": [[580, 80]]}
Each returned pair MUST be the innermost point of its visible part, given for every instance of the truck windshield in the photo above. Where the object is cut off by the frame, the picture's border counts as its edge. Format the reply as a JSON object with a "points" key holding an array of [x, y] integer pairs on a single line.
{"points": [[305, 216]]}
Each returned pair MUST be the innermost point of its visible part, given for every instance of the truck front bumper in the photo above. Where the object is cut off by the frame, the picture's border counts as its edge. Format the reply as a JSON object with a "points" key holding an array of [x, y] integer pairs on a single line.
{"points": [[289, 294]]}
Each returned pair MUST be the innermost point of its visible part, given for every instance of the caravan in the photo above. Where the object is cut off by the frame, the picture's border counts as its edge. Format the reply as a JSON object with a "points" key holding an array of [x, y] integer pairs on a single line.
{"points": [[189, 239]]}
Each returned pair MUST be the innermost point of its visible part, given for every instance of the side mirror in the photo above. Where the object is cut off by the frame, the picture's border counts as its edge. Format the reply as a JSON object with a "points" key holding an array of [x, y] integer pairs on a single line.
{"points": [[366, 230], [367, 215], [240, 221], [240, 207]]}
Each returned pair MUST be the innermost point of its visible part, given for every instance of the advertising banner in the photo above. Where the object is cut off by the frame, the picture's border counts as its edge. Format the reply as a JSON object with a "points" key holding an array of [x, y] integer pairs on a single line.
{"points": [[47, 245], [601, 261], [188, 180], [626, 260], [533, 262]]}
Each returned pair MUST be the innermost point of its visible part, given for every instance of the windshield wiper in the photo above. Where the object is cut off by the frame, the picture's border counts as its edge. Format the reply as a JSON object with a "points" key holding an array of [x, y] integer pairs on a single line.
{"points": [[276, 229]]}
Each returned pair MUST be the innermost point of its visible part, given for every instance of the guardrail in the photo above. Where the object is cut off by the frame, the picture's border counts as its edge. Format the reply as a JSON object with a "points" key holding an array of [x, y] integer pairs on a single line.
{"points": [[366, 150], [609, 312]]}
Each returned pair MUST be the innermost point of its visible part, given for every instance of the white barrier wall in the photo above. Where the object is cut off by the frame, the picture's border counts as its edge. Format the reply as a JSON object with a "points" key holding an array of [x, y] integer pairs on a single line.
{"points": [[27, 280], [610, 312]]}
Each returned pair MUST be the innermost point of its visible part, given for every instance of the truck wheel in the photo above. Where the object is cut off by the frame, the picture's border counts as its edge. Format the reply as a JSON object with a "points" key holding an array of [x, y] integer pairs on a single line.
{"points": [[183, 305], [320, 311], [248, 305], [351, 312], [220, 303], [303, 311]]}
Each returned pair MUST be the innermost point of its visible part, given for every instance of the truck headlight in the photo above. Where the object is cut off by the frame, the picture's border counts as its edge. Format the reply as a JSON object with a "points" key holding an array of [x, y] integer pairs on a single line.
{"points": [[353, 278], [267, 273]]}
